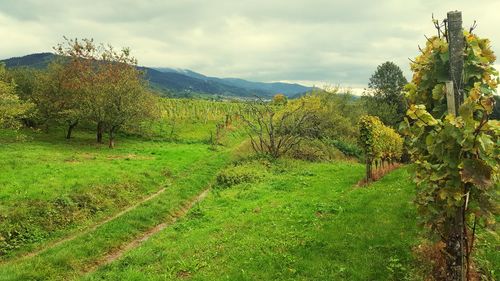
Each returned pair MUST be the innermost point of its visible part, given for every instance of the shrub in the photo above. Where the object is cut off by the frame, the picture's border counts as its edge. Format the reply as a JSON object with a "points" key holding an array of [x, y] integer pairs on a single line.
{"points": [[380, 143], [349, 149], [238, 174], [315, 150]]}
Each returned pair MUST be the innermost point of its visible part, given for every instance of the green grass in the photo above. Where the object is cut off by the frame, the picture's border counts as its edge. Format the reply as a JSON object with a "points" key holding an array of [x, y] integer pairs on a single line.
{"points": [[286, 220], [68, 260], [188, 131], [51, 187], [302, 221], [44, 168]]}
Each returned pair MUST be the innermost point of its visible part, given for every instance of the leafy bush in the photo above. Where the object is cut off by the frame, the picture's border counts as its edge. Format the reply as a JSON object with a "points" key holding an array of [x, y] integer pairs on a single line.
{"points": [[315, 150], [349, 149], [379, 141], [455, 150], [238, 174]]}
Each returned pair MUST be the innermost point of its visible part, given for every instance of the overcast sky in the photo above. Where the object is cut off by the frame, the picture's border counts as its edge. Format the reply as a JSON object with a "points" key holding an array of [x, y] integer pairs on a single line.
{"points": [[336, 42]]}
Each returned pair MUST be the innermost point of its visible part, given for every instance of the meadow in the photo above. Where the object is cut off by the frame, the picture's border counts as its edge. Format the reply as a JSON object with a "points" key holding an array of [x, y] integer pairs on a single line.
{"points": [[289, 220], [297, 221], [170, 202]]}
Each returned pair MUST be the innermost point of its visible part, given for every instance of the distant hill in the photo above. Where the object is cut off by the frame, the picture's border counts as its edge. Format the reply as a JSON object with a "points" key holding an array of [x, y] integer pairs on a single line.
{"points": [[40, 60], [182, 82], [272, 88], [178, 82]]}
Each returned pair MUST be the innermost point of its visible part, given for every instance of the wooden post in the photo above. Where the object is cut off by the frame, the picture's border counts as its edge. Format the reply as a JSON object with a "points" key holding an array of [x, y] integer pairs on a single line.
{"points": [[456, 50], [454, 225], [450, 98]]}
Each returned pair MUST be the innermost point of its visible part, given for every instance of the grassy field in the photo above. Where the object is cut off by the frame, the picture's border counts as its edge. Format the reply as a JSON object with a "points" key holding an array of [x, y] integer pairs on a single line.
{"points": [[84, 212], [51, 187], [46, 167], [299, 221], [71, 259]]}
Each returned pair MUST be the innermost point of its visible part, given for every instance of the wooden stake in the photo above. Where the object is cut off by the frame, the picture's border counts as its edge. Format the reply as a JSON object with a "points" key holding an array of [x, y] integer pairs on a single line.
{"points": [[456, 49], [455, 261], [450, 98]]}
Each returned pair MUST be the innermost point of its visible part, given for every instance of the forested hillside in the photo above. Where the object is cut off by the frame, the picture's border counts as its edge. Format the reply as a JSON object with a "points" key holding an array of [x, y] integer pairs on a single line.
{"points": [[172, 82]]}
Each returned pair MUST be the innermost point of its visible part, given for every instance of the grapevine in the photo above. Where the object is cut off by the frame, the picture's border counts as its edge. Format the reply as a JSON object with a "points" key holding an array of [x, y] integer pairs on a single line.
{"points": [[456, 157], [380, 143]]}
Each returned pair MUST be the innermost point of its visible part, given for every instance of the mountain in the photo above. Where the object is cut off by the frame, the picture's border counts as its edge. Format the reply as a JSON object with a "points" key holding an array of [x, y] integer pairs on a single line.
{"points": [[186, 72], [272, 88], [40, 60], [275, 87], [183, 82]]}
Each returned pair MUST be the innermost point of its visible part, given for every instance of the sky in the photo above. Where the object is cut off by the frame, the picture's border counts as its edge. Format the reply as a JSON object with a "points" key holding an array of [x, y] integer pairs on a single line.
{"points": [[312, 42]]}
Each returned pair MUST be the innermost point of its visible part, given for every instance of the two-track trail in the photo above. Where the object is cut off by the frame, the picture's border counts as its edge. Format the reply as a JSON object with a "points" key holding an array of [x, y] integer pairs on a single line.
{"points": [[106, 241], [110, 257], [90, 229]]}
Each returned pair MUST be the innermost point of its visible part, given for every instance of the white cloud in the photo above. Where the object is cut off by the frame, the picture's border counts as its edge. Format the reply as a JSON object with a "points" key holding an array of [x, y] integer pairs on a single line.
{"points": [[328, 41]]}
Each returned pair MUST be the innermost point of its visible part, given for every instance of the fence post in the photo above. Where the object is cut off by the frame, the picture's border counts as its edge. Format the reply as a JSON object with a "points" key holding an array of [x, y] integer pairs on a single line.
{"points": [[454, 225]]}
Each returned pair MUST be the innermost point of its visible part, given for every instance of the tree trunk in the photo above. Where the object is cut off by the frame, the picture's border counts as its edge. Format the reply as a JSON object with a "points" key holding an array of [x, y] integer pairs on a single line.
{"points": [[368, 170], [100, 131], [46, 127], [112, 137], [454, 252], [172, 130], [454, 247], [70, 129]]}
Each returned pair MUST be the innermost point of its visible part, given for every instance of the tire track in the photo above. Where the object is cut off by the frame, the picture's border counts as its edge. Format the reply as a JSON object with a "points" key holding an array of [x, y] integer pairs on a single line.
{"points": [[83, 232], [118, 253], [71, 237]]}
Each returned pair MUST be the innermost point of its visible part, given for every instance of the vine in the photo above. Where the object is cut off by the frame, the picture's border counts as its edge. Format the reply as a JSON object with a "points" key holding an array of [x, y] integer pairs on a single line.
{"points": [[456, 157], [380, 143]]}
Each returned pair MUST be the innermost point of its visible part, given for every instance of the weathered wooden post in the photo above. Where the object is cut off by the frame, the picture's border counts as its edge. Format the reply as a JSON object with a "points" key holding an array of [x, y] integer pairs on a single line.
{"points": [[455, 259], [456, 50], [450, 98]]}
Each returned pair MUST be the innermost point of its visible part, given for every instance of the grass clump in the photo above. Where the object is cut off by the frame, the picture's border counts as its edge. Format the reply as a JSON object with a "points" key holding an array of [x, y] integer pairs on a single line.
{"points": [[315, 150], [234, 175]]}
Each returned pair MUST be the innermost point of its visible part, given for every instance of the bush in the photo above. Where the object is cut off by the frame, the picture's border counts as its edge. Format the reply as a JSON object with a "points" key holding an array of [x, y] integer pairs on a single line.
{"points": [[238, 174], [315, 150], [349, 149]]}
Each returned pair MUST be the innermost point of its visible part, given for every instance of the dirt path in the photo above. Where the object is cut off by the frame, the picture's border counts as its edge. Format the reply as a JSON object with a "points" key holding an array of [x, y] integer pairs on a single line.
{"points": [[90, 229], [117, 253]]}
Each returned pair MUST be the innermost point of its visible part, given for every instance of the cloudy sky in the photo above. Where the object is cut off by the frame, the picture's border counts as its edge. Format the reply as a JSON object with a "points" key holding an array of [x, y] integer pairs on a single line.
{"points": [[336, 42]]}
